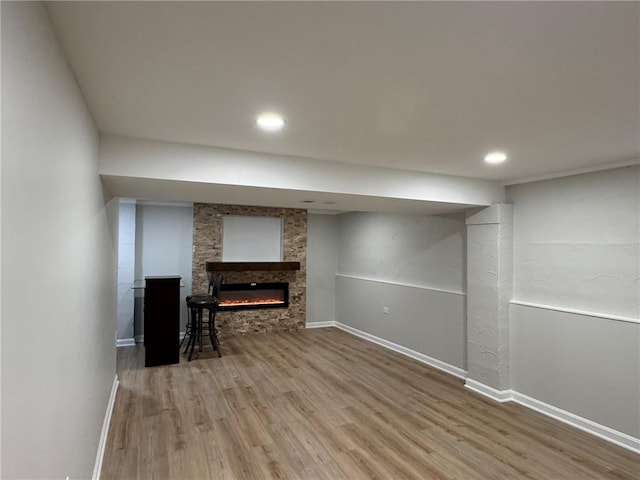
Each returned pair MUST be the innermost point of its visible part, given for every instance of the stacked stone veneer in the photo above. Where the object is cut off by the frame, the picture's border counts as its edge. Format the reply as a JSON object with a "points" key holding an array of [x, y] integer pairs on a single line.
{"points": [[207, 247]]}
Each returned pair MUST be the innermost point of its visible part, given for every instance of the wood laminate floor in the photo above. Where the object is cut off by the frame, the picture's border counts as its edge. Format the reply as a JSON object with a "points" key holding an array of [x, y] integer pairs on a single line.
{"points": [[323, 404]]}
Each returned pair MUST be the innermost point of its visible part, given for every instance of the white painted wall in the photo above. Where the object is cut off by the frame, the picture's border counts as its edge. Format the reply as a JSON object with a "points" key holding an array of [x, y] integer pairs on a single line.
{"points": [[576, 242], [414, 266], [126, 267], [576, 248], [322, 265], [427, 250], [58, 260], [164, 239], [251, 239], [202, 173], [489, 290]]}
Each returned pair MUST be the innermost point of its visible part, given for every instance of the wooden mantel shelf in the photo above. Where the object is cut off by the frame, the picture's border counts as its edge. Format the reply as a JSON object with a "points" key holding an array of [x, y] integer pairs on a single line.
{"points": [[252, 266]]}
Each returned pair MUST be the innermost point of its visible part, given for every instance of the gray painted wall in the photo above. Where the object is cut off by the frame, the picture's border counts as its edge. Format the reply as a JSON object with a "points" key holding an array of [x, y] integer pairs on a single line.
{"points": [[415, 267], [322, 264], [576, 247], [588, 366], [425, 321], [58, 260]]}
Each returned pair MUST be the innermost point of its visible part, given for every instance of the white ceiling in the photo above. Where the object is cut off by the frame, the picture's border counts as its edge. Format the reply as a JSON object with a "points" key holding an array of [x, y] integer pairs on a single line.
{"points": [[424, 86]]}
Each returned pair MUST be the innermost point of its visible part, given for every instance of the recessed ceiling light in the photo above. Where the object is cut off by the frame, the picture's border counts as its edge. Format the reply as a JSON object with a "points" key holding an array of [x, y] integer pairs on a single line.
{"points": [[495, 157], [270, 121]]}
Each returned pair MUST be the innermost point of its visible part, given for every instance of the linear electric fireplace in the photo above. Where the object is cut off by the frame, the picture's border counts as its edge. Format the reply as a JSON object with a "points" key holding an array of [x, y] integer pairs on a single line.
{"points": [[242, 296]]}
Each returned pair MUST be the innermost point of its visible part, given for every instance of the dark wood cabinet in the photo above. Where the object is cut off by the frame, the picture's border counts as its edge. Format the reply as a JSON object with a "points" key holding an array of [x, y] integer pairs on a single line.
{"points": [[161, 321]]}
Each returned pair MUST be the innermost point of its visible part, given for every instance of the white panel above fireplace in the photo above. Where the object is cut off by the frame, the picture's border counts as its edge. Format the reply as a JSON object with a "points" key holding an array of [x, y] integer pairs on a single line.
{"points": [[251, 239]]}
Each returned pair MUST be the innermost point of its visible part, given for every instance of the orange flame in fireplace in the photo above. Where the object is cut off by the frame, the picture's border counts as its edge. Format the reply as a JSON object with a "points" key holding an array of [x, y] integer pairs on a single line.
{"points": [[253, 301]]}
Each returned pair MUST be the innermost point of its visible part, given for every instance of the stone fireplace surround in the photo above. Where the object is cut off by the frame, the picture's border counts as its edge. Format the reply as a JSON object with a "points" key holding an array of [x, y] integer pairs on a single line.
{"points": [[207, 247]]}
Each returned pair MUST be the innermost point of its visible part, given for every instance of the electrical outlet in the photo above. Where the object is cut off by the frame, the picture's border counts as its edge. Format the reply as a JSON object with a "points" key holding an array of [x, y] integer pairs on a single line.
{"points": [[385, 310]]}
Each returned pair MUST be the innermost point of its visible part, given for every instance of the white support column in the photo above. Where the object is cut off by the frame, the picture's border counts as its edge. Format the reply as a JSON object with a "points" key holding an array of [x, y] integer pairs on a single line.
{"points": [[489, 288]]}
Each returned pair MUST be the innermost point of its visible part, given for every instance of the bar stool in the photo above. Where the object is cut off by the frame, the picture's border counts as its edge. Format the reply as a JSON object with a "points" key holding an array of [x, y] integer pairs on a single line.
{"points": [[215, 283], [197, 304], [196, 324]]}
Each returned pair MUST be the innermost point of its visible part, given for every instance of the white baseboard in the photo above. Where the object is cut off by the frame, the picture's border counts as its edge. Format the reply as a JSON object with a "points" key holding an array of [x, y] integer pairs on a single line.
{"points": [[606, 433], [601, 431], [140, 339], [502, 396], [329, 323], [497, 395], [421, 357], [126, 342], [102, 444]]}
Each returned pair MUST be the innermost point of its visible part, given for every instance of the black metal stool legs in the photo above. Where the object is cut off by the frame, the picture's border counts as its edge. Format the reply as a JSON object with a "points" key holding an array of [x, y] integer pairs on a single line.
{"points": [[213, 332], [197, 324], [194, 331], [187, 329]]}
